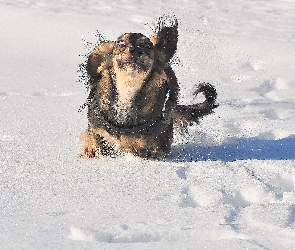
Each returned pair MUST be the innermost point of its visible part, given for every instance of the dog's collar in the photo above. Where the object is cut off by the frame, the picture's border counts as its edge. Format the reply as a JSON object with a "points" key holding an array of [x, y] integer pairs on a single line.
{"points": [[123, 129]]}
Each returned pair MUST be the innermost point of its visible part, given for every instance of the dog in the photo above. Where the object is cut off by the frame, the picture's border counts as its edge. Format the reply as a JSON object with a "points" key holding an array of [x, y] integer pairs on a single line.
{"points": [[133, 98]]}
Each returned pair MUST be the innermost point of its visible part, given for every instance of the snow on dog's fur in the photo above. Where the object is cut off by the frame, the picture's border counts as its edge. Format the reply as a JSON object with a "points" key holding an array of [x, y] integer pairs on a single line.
{"points": [[133, 100]]}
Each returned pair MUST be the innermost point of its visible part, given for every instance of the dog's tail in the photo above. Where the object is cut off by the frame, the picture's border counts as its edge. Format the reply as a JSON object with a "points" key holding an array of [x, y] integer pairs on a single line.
{"points": [[188, 114]]}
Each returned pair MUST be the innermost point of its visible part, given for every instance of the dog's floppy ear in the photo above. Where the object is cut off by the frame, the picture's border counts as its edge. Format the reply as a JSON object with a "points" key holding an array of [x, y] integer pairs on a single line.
{"points": [[165, 40], [100, 58]]}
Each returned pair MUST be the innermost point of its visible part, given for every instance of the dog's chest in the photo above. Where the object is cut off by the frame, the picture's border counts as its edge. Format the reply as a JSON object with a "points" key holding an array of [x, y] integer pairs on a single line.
{"points": [[128, 84]]}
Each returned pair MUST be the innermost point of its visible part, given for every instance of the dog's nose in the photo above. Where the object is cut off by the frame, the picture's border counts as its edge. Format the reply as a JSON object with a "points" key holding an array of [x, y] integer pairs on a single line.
{"points": [[136, 50]]}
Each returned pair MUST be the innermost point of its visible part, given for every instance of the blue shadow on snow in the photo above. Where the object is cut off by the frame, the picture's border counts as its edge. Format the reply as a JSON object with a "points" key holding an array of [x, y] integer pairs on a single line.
{"points": [[237, 149]]}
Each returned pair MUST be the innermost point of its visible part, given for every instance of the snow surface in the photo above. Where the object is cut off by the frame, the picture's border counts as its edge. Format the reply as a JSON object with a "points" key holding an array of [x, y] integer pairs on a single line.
{"points": [[229, 184]]}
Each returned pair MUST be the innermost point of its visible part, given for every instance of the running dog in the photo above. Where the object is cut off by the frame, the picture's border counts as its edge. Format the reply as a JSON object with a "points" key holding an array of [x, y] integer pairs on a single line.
{"points": [[133, 99]]}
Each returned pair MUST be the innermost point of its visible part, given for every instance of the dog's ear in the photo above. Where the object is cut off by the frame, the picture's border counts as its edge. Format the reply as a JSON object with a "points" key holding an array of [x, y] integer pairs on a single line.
{"points": [[165, 40], [100, 58]]}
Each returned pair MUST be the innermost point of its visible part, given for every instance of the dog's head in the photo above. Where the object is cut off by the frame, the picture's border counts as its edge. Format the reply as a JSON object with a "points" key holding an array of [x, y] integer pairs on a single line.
{"points": [[133, 51]]}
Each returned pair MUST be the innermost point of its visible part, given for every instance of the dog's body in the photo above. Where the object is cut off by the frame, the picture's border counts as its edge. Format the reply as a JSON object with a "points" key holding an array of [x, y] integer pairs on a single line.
{"points": [[134, 94]]}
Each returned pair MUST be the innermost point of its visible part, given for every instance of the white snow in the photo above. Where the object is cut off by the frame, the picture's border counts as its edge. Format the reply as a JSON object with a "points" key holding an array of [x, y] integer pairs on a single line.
{"points": [[229, 184]]}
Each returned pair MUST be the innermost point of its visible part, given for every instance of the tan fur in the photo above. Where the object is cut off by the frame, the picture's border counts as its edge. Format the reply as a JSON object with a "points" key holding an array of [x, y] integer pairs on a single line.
{"points": [[128, 83], [91, 146], [127, 144], [100, 59], [104, 93]]}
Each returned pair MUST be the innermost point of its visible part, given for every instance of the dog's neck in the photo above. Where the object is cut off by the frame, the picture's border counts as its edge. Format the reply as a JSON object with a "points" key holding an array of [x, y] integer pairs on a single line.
{"points": [[128, 83]]}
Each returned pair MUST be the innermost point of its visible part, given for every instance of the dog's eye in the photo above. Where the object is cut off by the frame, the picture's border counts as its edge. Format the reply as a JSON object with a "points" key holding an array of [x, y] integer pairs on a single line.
{"points": [[147, 46], [121, 43]]}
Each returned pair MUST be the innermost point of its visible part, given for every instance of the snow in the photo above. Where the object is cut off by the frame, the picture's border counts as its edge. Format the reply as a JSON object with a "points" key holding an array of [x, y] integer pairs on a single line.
{"points": [[229, 184]]}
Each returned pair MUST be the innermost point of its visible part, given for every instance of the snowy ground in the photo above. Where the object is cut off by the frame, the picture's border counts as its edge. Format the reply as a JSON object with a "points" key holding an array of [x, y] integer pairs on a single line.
{"points": [[230, 184]]}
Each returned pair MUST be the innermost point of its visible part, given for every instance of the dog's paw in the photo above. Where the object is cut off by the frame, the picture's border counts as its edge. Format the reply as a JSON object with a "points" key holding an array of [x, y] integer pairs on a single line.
{"points": [[91, 146], [90, 154]]}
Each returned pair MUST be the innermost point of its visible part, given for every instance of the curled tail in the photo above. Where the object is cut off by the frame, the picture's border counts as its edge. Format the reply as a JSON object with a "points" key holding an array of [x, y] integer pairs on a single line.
{"points": [[187, 114]]}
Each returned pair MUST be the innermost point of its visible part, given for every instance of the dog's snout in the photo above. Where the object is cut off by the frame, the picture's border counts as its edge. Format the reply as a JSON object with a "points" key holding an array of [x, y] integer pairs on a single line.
{"points": [[136, 50]]}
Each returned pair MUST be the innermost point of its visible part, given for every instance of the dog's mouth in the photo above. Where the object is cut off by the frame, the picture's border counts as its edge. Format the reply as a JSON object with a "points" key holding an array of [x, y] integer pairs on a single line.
{"points": [[127, 63], [134, 64]]}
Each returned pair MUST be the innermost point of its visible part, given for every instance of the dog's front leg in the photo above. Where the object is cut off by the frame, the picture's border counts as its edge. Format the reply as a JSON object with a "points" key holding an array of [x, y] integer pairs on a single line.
{"points": [[91, 145]]}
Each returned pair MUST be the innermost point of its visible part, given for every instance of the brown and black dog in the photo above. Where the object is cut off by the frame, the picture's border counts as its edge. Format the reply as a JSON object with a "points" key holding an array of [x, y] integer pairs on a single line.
{"points": [[133, 100]]}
